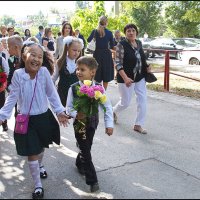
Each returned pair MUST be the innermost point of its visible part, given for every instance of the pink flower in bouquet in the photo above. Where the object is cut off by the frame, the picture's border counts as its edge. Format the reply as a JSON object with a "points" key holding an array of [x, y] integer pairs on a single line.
{"points": [[98, 88], [84, 89], [90, 92]]}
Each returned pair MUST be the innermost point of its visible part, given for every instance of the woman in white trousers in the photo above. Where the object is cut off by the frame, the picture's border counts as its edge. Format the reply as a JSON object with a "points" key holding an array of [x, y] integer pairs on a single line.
{"points": [[131, 69]]}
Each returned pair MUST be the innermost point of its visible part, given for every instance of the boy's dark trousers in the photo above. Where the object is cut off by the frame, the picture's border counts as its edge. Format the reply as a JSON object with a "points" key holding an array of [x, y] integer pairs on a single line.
{"points": [[2, 101], [84, 158]]}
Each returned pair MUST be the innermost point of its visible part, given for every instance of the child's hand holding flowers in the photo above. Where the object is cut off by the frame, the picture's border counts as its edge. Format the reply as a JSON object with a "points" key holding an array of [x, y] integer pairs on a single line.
{"points": [[90, 96]]}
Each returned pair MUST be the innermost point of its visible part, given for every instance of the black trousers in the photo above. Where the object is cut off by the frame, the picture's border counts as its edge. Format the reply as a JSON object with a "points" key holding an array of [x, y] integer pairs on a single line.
{"points": [[2, 101], [84, 158]]}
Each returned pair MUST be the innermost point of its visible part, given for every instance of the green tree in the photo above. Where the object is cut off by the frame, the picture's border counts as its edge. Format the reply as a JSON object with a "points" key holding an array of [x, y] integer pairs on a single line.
{"points": [[180, 20], [193, 13], [118, 23], [55, 31], [87, 20], [99, 8], [145, 14], [7, 20]]}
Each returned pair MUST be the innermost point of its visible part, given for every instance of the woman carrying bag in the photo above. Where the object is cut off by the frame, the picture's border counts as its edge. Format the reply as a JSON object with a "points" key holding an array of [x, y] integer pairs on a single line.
{"points": [[102, 53], [131, 71]]}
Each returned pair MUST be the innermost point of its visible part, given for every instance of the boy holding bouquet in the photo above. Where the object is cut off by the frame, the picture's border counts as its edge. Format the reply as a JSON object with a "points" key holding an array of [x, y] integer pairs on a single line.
{"points": [[84, 98]]}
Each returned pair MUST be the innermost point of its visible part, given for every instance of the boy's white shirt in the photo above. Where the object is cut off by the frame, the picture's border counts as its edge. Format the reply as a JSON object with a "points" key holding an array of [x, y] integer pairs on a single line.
{"points": [[108, 115]]}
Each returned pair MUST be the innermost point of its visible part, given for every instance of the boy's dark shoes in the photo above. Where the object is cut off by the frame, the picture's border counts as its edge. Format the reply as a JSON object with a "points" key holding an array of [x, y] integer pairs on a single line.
{"points": [[94, 187], [38, 193]]}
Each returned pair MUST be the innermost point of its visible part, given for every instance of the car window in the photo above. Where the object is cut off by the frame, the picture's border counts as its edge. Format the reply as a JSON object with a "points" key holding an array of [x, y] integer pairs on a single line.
{"points": [[185, 42]]}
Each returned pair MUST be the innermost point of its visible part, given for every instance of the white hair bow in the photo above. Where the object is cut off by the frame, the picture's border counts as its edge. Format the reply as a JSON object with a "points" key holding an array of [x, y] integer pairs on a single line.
{"points": [[69, 39]]}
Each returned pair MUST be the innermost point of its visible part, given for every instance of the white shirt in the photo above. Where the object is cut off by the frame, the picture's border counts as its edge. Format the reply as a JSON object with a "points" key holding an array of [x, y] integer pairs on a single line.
{"points": [[21, 92], [5, 66], [108, 115], [70, 65]]}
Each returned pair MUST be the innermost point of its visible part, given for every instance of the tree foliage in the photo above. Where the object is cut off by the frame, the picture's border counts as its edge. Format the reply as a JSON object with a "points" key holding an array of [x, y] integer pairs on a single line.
{"points": [[87, 20], [181, 18], [157, 18], [7, 20], [145, 14], [193, 13]]}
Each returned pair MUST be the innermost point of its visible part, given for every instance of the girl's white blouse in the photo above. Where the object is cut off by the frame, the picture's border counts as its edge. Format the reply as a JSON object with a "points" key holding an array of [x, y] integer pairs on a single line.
{"points": [[70, 65], [21, 92]]}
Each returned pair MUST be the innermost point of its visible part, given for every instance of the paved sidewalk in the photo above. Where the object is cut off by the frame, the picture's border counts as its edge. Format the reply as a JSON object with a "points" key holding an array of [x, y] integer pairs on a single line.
{"points": [[162, 164]]}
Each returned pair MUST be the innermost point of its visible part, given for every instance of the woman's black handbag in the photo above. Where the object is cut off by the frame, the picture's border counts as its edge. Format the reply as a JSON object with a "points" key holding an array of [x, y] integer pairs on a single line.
{"points": [[150, 77]]}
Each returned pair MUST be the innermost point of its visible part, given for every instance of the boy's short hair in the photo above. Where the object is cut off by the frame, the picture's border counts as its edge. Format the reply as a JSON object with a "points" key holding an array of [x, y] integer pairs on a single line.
{"points": [[40, 27], [89, 61], [16, 39]]}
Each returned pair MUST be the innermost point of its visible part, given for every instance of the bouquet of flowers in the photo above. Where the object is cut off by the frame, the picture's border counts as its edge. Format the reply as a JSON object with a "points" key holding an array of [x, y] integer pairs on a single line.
{"points": [[3, 80], [90, 97]]}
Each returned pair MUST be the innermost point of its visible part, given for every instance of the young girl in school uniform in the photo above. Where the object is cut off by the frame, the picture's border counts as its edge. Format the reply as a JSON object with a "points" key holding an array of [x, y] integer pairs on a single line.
{"points": [[43, 128], [66, 66]]}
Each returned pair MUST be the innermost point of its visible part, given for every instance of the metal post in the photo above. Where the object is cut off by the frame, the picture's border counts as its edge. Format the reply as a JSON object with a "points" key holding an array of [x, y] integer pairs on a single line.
{"points": [[116, 8], [166, 76]]}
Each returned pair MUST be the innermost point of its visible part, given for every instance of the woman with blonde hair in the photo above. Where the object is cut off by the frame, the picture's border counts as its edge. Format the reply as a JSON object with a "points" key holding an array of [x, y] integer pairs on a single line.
{"points": [[102, 53], [65, 68]]}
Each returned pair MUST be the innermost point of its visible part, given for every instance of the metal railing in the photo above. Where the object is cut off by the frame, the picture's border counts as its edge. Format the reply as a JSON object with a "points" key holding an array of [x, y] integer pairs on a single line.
{"points": [[167, 71]]}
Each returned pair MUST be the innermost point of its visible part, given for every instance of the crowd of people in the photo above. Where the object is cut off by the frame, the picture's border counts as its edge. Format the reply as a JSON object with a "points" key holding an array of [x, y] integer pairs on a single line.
{"points": [[42, 71]]}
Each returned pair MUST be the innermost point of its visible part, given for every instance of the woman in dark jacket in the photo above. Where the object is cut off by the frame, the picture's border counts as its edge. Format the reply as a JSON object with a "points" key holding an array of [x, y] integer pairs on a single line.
{"points": [[102, 53], [131, 68]]}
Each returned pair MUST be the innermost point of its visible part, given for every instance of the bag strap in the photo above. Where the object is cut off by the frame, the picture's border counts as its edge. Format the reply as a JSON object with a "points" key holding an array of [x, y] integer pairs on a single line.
{"points": [[94, 36], [33, 94]]}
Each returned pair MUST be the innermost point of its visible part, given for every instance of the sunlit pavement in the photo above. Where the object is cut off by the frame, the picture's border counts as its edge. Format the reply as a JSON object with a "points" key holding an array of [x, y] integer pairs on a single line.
{"points": [[162, 164]]}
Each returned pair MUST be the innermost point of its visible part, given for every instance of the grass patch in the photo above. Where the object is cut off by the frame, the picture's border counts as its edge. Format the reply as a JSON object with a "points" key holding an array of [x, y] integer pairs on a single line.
{"points": [[177, 85]]}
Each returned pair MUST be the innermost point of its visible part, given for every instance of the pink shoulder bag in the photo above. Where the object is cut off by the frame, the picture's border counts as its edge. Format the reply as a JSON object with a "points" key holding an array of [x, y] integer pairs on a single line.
{"points": [[22, 120]]}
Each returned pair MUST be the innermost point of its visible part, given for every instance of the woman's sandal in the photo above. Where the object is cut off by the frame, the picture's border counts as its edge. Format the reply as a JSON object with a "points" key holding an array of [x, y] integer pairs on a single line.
{"points": [[38, 194], [139, 129], [43, 174]]}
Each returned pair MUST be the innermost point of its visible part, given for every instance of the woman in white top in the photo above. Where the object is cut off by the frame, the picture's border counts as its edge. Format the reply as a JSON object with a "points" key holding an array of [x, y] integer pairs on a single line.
{"points": [[43, 128], [67, 30]]}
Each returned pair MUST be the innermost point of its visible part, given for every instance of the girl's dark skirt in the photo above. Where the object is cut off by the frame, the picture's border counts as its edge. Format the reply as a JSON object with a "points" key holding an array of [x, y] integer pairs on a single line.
{"points": [[43, 130], [105, 71]]}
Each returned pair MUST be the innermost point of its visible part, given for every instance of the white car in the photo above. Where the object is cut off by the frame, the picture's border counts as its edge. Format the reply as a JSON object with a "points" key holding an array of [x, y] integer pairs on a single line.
{"points": [[191, 57]]}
